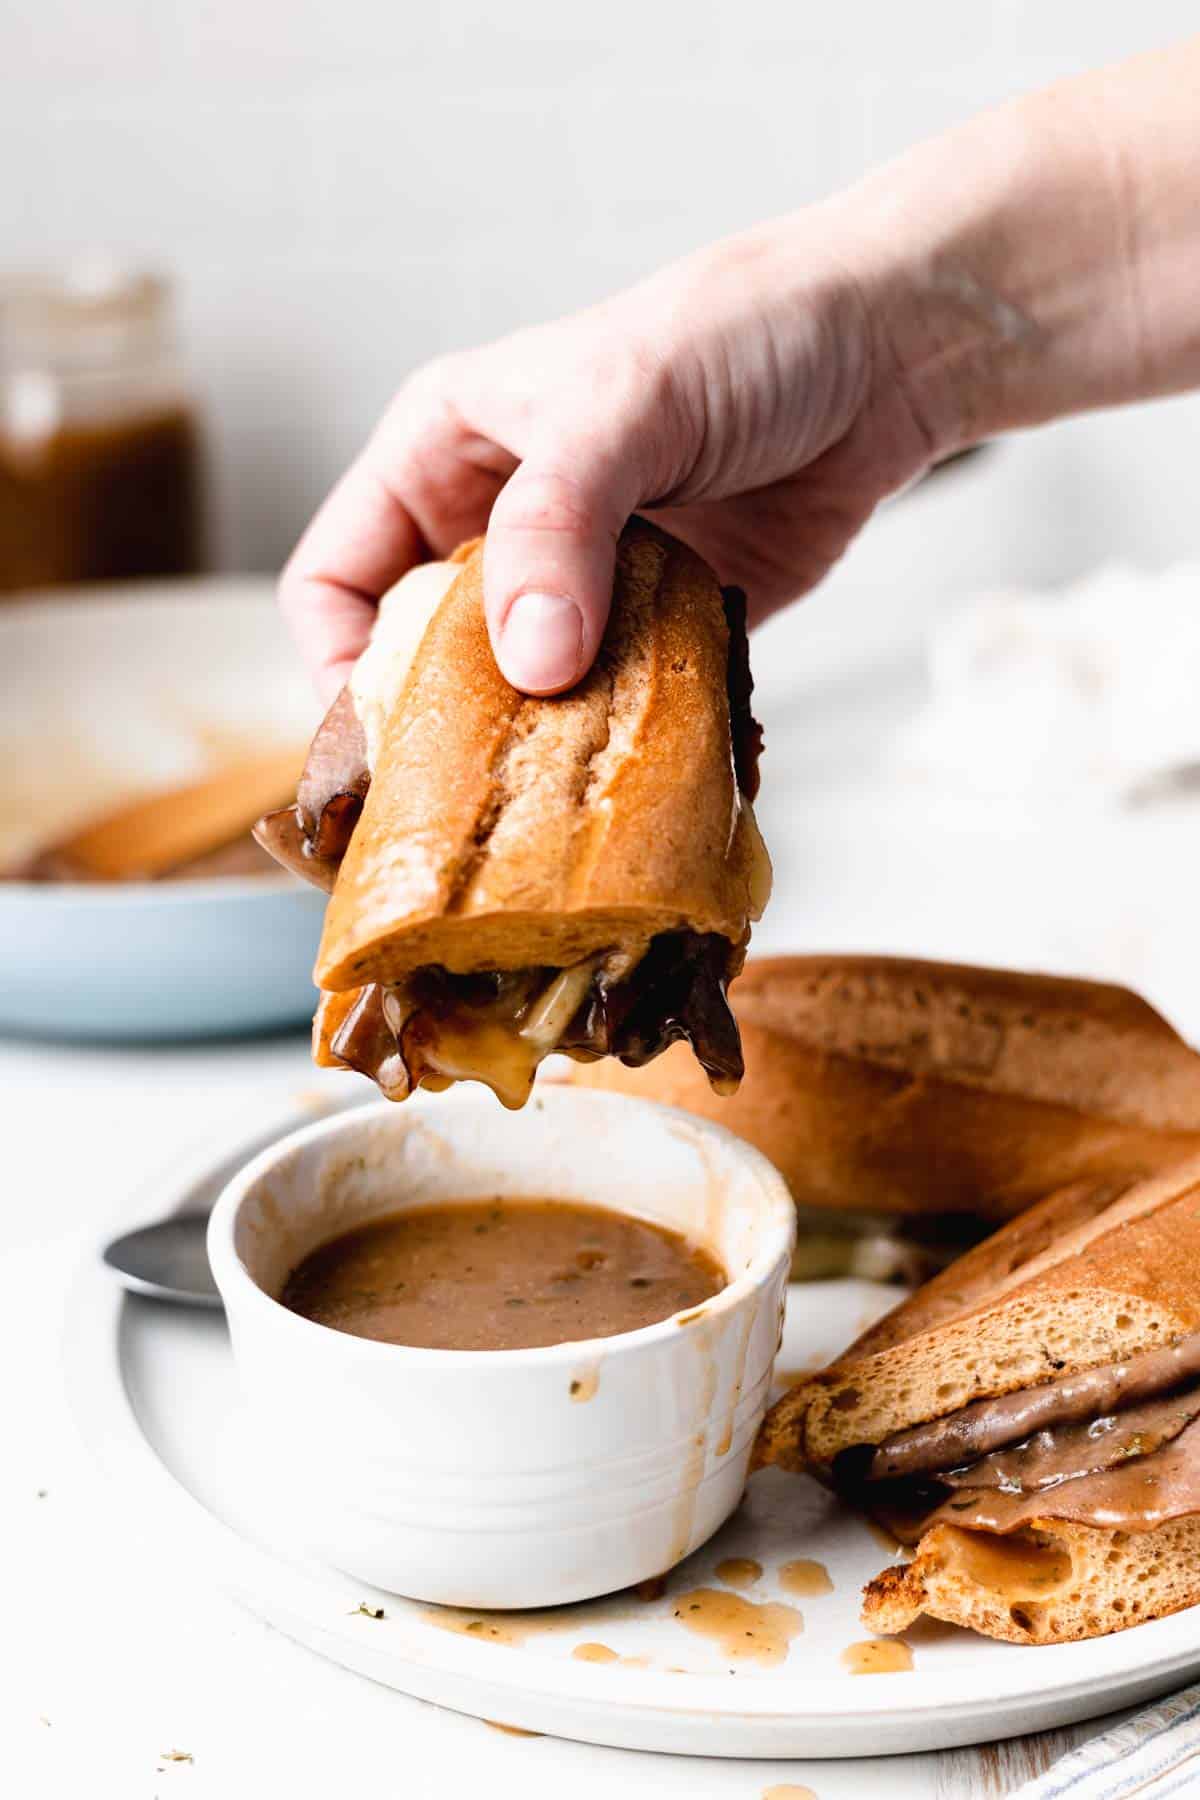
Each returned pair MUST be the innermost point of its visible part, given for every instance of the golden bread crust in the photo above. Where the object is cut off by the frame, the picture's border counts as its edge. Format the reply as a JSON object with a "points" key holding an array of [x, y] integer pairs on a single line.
{"points": [[1119, 1278], [502, 831], [1087, 1581], [884, 1085], [1062, 1085]]}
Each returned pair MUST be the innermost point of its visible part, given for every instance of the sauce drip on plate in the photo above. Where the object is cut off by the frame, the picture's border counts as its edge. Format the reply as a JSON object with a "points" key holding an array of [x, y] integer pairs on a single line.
{"points": [[877, 1656], [803, 1576], [744, 1630]]}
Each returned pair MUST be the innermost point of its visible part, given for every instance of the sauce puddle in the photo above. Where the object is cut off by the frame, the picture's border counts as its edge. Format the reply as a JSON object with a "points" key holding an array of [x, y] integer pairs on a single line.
{"points": [[804, 1577], [600, 1653], [744, 1630], [497, 1628], [877, 1656], [739, 1571], [725, 1441]]}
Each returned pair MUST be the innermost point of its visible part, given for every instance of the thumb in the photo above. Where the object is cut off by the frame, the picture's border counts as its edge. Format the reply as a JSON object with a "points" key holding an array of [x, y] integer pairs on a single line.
{"points": [[549, 560]]}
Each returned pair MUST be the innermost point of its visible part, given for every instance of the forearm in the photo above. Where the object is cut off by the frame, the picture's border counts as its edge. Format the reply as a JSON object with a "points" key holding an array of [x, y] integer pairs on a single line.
{"points": [[1043, 259]]}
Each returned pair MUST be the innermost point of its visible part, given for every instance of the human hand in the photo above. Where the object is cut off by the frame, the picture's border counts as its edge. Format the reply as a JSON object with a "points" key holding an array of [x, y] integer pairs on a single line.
{"points": [[745, 397]]}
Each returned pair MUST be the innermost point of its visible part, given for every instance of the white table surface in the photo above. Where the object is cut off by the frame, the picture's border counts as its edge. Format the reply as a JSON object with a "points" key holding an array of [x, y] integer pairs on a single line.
{"points": [[114, 1656]]}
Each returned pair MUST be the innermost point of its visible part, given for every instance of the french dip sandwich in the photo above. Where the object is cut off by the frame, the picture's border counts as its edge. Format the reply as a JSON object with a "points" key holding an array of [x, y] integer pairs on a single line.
{"points": [[512, 876], [1030, 1421], [913, 1106]]}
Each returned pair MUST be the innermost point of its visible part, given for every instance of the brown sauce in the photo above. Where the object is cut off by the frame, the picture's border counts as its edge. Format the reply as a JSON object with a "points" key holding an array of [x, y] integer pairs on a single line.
{"points": [[744, 1630], [510, 1628], [595, 1653], [739, 1571], [877, 1656], [802, 1576], [1014, 1568], [653, 1588], [999, 1421], [600, 1653], [501, 1274]]}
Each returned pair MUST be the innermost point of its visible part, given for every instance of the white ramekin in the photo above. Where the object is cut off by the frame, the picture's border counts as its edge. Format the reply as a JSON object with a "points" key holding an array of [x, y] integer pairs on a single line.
{"points": [[506, 1478]]}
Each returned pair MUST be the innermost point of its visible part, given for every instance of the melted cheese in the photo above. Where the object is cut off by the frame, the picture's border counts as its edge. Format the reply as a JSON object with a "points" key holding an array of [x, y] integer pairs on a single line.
{"points": [[503, 1046], [478, 1049], [547, 1016], [759, 874]]}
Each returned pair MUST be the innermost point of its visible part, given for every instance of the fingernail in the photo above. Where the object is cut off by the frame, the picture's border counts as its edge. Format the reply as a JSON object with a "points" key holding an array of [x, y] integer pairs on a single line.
{"points": [[541, 645]]}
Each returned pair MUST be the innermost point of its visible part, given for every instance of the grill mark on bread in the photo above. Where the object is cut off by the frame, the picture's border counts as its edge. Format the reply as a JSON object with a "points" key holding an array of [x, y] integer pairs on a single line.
{"points": [[489, 815], [624, 667], [592, 826], [611, 702], [528, 724], [584, 736], [591, 779], [614, 671]]}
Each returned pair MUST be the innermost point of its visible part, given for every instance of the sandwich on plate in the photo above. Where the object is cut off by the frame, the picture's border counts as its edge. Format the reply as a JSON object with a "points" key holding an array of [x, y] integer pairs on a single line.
{"points": [[512, 876], [1030, 1421], [914, 1106]]}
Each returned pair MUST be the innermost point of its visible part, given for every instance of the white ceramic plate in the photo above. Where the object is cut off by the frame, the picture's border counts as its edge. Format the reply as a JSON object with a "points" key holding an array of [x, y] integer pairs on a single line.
{"points": [[115, 691], [155, 1393]]}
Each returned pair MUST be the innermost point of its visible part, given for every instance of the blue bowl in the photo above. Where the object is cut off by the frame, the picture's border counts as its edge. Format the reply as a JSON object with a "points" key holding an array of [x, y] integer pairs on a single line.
{"points": [[157, 960], [109, 693]]}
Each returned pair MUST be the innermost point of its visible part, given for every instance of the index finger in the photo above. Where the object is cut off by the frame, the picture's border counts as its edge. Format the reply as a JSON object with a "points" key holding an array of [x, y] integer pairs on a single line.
{"points": [[361, 541]]}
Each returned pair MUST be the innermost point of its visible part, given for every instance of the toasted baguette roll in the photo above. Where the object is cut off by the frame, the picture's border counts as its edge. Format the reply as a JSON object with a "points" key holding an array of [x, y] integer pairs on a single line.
{"points": [[1089, 1275], [521, 875], [507, 832], [1052, 1584], [884, 1088], [1031, 1421]]}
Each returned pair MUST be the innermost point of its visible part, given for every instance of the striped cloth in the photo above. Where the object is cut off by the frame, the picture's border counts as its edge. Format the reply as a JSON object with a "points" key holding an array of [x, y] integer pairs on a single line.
{"points": [[1154, 1754]]}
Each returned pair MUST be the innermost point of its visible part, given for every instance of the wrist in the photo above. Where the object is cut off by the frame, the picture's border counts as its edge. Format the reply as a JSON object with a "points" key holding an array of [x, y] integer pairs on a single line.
{"points": [[932, 238], [1036, 261]]}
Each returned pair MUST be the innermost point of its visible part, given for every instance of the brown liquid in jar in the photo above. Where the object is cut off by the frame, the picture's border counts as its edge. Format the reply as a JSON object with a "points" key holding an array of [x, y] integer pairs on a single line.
{"points": [[101, 502], [501, 1274]]}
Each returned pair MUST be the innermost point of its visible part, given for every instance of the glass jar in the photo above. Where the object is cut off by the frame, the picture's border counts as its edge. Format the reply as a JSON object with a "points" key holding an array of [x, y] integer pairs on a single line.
{"points": [[99, 438]]}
